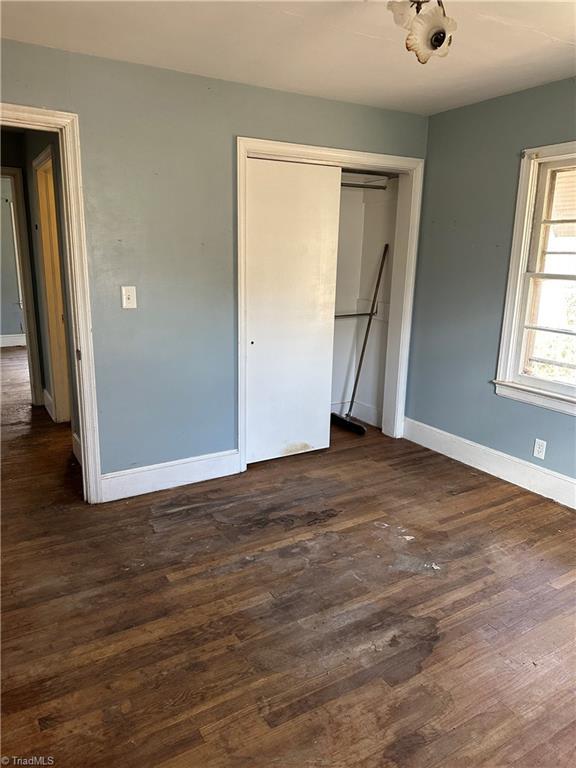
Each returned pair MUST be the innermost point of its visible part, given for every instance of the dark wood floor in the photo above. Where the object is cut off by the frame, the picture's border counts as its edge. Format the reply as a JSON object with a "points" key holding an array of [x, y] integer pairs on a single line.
{"points": [[375, 605]]}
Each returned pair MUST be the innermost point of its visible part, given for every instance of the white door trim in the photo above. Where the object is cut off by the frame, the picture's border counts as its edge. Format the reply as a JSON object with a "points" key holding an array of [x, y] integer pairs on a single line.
{"points": [[65, 124], [23, 256], [411, 172]]}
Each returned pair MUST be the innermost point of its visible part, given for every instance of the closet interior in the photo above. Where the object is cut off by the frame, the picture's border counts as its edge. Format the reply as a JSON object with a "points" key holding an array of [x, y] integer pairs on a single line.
{"points": [[368, 205]]}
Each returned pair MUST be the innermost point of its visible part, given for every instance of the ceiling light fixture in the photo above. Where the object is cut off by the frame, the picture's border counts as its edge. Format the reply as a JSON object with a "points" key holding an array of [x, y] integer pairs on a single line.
{"points": [[429, 28]]}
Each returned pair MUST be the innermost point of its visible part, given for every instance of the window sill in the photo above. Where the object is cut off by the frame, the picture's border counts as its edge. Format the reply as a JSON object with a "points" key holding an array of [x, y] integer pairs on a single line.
{"points": [[534, 396]]}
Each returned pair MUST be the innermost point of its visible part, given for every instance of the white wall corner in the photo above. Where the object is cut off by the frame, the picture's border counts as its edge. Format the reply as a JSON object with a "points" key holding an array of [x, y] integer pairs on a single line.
{"points": [[545, 482], [158, 477]]}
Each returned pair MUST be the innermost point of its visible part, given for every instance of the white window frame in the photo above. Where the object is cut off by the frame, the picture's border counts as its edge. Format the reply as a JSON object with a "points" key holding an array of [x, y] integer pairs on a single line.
{"points": [[509, 381]]}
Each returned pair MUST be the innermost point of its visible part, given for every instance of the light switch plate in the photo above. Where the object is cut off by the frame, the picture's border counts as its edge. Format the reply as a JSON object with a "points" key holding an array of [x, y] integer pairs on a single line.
{"points": [[129, 297]]}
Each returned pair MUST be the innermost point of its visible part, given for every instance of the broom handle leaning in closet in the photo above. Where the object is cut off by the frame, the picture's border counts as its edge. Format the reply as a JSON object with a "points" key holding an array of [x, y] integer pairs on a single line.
{"points": [[368, 324]]}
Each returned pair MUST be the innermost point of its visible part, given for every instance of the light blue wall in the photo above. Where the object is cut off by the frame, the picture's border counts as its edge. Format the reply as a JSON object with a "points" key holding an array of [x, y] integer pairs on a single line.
{"points": [[470, 191], [158, 162], [11, 321]]}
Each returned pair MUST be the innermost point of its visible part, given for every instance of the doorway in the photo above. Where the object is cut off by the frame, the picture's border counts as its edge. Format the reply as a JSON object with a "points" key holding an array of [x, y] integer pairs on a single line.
{"points": [[264, 199], [40, 359], [64, 364]]}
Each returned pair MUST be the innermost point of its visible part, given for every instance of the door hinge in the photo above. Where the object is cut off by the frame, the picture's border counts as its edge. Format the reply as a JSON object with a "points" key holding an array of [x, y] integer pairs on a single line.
{"points": [[78, 355]]}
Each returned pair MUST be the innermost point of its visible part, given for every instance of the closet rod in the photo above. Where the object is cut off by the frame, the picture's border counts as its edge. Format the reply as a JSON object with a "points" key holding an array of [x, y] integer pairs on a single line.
{"points": [[362, 186], [355, 314], [363, 172]]}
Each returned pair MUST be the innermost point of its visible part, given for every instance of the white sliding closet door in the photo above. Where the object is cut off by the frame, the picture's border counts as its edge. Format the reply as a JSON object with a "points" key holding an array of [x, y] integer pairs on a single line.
{"points": [[292, 215]]}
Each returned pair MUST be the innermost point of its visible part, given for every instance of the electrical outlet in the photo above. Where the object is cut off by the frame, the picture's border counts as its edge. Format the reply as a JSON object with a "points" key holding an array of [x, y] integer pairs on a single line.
{"points": [[539, 448]]}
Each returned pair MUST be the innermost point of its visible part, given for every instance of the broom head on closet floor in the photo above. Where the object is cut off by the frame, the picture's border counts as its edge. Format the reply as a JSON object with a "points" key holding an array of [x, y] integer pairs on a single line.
{"points": [[348, 422]]}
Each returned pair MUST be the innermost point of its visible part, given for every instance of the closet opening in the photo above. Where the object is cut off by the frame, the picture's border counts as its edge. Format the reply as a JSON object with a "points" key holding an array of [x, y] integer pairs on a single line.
{"points": [[368, 204], [312, 226]]}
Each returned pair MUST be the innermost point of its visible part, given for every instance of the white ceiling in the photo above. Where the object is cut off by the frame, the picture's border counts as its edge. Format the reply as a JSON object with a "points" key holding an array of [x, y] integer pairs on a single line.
{"points": [[350, 51]]}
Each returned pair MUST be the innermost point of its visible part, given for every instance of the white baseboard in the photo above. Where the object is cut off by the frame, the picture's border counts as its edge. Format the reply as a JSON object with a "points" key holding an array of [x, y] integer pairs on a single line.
{"points": [[362, 411], [77, 447], [13, 340], [158, 477], [545, 482], [49, 405]]}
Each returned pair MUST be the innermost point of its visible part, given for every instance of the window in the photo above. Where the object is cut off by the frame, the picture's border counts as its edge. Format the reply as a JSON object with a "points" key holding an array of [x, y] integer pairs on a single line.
{"points": [[538, 349]]}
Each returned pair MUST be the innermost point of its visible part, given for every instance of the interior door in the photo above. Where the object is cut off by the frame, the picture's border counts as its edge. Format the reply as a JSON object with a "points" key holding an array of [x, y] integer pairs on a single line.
{"points": [[292, 215], [57, 401]]}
